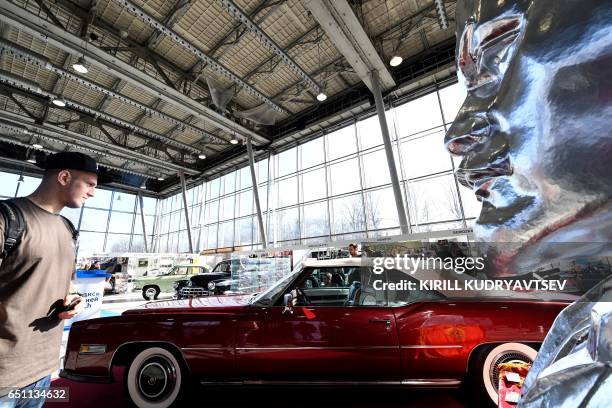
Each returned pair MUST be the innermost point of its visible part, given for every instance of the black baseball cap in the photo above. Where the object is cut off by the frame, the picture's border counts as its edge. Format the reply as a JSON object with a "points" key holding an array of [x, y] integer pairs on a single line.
{"points": [[71, 161]]}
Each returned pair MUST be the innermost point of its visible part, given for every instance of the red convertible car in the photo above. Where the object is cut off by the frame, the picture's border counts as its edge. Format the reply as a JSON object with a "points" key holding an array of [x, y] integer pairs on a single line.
{"points": [[324, 324]]}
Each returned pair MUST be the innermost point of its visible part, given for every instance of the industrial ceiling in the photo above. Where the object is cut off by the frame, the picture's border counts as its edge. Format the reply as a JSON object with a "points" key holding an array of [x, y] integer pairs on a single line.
{"points": [[179, 85]]}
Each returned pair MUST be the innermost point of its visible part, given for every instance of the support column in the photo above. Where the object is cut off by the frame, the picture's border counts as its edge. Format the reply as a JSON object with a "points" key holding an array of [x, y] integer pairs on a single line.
{"points": [[397, 191], [142, 219], [186, 208], [262, 231]]}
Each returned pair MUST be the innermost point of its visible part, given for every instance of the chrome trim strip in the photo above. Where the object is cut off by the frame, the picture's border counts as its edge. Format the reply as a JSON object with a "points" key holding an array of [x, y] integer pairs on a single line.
{"points": [[429, 346], [431, 381], [320, 348], [317, 382], [206, 348]]}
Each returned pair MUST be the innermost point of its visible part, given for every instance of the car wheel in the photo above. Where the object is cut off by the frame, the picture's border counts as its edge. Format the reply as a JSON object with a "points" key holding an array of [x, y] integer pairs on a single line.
{"points": [[150, 292], [154, 378], [485, 375]]}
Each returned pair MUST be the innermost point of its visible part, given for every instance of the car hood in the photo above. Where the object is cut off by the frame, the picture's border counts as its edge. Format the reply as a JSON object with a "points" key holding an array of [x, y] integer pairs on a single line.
{"points": [[204, 303]]}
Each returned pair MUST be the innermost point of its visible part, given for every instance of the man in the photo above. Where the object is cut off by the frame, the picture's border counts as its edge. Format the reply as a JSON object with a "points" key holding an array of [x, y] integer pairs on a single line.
{"points": [[353, 251], [35, 277], [535, 136]]}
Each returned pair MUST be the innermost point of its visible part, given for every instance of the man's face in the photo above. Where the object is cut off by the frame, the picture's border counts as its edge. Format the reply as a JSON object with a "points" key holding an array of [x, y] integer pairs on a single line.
{"points": [[535, 131], [78, 186], [352, 250]]}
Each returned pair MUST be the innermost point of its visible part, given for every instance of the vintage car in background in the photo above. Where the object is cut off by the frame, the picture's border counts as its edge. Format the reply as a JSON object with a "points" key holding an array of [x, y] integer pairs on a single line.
{"points": [[152, 286], [323, 324], [198, 285]]}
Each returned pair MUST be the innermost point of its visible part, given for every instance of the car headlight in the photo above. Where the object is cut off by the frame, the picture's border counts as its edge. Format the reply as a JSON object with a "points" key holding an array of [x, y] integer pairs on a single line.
{"points": [[211, 285]]}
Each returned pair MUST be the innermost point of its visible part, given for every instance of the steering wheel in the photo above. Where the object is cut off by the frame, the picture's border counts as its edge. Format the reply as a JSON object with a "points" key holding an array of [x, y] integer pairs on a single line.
{"points": [[302, 294]]}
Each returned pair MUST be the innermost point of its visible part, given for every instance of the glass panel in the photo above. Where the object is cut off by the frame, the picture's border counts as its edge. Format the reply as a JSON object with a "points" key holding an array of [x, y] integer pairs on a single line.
{"points": [[262, 171], [227, 208], [229, 183], [8, 184], [313, 185], [194, 214], [245, 231], [287, 162], [341, 143], [439, 226], [117, 243], [149, 220], [287, 192], [376, 169], [311, 153], [344, 177], [138, 244], [94, 220], [101, 199], [120, 222], [72, 214], [28, 186], [288, 224], [226, 234], [347, 214], [163, 244], [263, 198], [246, 203], [369, 132], [314, 220], [213, 187], [148, 204], [90, 242], [471, 206], [434, 200], [380, 208], [175, 219], [425, 155], [211, 238], [452, 98], [172, 242], [212, 212], [418, 115], [183, 245], [245, 177], [123, 202]]}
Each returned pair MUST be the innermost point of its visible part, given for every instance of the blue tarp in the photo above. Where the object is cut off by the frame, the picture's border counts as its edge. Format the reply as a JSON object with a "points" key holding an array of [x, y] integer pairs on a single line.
{"points": [[92, 273]]}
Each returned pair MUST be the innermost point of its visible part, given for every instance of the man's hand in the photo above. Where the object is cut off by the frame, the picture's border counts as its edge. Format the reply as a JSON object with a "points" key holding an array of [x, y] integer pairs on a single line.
{"points": [[69, 314]]}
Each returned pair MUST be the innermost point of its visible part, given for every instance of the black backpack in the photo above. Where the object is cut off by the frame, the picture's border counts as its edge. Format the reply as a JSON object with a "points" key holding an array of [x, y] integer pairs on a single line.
{"points": [[14, 227]]}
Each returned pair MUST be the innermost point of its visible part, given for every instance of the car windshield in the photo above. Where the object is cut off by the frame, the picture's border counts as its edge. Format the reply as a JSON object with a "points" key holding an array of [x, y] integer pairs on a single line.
{"points": [[265, 298]]}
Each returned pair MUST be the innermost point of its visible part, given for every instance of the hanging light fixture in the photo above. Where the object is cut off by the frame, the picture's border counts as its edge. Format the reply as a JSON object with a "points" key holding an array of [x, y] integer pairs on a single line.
{"points": [[395, 60], [144, 185], [201, 156], [80, 65], [160, 178], [234, 140], [30, 158], [37, 146], [59, 102], [322, 96]]}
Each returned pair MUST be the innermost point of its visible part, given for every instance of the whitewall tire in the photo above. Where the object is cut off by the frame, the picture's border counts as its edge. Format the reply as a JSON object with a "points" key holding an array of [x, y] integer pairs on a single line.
{"points": [[154, 378], [503, 353]]}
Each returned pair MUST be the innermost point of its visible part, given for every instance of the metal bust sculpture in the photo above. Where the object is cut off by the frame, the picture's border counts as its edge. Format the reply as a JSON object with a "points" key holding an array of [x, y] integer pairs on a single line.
{"points": [[535, 136]]}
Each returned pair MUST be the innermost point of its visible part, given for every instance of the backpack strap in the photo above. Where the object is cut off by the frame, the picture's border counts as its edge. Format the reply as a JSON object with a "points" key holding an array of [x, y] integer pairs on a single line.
{"points": [[73, 231], [14, 226]]}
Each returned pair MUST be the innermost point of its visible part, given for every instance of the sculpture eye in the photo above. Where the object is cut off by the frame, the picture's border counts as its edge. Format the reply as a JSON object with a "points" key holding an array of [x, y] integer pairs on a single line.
{"points": [[486, 51]]}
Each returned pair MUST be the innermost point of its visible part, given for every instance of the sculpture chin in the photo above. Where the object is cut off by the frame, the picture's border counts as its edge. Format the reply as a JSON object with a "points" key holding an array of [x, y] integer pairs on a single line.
{"points": [[526, 240]]}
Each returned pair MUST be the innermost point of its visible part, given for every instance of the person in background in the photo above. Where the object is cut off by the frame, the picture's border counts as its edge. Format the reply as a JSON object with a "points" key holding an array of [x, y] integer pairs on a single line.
{"points": [[353, 251]]}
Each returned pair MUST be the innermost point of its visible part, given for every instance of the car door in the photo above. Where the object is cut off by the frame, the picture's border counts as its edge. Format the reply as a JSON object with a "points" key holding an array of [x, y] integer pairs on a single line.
{"points": [[321, 342]]}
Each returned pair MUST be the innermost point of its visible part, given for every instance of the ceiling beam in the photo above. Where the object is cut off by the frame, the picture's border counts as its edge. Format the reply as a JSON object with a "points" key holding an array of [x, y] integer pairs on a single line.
{"points": [[40, 28], [269, 43], [182, 41], [179, 9], [341, 25], [41, 61]]}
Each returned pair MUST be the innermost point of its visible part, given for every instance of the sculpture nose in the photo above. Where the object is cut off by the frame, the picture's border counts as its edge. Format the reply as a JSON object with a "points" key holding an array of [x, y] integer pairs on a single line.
{"points": [[466, 132]]}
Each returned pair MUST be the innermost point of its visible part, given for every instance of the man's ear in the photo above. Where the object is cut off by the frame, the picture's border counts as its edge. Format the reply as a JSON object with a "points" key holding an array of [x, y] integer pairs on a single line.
{"points": [[64, 177]]}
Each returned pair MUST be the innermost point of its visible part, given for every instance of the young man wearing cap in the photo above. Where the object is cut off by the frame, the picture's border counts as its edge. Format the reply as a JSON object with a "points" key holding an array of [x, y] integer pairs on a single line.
{"points": [[35, 279]]}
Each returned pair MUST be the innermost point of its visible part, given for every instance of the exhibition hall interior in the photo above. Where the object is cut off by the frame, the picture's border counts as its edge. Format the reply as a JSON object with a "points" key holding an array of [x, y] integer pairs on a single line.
{"points": [[347, 203]]}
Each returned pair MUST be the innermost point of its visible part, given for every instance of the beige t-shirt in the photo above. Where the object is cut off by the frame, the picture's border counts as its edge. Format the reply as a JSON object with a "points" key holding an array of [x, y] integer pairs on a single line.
{"points": [[33, 278]]}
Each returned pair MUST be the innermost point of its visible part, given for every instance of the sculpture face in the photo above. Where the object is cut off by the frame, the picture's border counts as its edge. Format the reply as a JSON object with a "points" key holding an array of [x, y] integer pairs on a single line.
{"points": [[535, 131]]}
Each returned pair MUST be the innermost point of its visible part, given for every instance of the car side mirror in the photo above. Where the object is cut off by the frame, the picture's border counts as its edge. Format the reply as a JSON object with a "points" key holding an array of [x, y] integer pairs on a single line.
{"points": [[288, 303]]}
